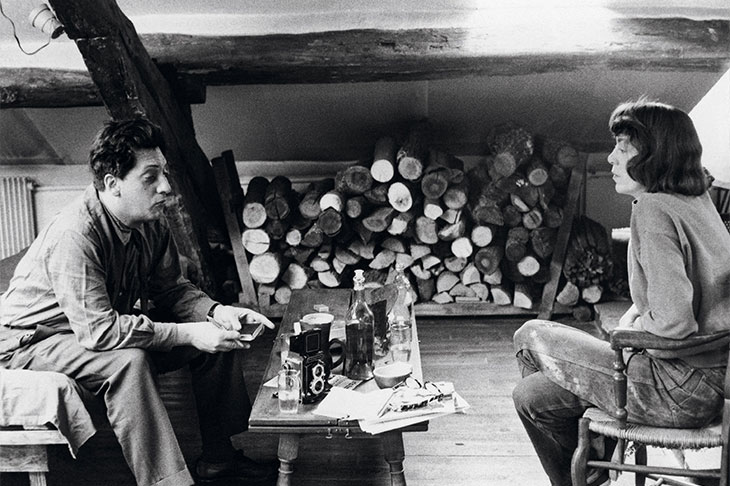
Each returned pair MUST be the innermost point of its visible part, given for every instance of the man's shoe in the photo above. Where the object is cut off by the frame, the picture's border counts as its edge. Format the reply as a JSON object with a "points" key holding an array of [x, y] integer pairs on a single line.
{"points": [[597, 477], [240, 469]]}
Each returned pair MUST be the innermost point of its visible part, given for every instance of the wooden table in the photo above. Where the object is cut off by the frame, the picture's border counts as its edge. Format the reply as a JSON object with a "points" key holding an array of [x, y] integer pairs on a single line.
{"points": [[265, 415]]}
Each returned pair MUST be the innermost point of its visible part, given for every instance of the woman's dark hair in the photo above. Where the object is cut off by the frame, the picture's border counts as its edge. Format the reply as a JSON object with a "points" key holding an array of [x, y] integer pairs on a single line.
{"points": [[670, 151], [113, 149]]}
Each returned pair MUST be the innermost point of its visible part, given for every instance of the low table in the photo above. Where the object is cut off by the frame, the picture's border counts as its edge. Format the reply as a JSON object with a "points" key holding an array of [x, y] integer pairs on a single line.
{"points": [[265, 415]]}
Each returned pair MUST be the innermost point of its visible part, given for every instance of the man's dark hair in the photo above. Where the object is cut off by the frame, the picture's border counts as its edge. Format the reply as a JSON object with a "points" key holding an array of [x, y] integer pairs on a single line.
{"points": [[670, 152], [113, 149]]}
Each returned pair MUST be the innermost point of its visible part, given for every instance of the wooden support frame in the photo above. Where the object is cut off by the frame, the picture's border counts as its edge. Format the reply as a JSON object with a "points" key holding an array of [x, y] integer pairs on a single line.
{"points": [[231, 197]]}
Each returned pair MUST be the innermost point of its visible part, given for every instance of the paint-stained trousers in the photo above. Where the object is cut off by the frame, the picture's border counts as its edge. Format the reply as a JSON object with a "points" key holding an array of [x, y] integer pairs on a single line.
{"points": [[566, 370], [126, 381]]}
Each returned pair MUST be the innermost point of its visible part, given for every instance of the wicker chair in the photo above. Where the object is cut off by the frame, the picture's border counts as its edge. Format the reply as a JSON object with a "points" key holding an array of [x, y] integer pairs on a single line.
{"points": [[597, 422]]}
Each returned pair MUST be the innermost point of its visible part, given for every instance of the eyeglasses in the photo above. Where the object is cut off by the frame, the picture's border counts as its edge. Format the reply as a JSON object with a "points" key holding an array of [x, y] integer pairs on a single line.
{"points": [[411, 394]]}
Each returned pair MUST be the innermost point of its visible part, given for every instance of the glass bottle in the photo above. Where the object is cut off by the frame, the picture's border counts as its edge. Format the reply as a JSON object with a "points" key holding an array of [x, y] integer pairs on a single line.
{"points": [[401, 318], [359, 333]]}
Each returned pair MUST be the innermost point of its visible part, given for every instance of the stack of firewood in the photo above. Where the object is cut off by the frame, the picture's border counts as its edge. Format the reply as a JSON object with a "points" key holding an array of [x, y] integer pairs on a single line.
{"points": [[589, 265], [480, 233]]}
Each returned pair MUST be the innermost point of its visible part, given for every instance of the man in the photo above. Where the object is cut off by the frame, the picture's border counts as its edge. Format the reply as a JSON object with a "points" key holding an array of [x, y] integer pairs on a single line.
{"points": [[70, 308]]}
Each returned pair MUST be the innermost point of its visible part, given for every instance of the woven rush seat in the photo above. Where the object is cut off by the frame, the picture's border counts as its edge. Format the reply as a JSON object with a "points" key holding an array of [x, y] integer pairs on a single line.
{"points": [[675, 438]]}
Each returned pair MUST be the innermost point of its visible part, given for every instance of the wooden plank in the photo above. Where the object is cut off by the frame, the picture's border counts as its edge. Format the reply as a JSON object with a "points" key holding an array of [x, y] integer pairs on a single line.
{"points": [[550, 289], [24, 458], [30, 437], [130, 84], [231, 198]]}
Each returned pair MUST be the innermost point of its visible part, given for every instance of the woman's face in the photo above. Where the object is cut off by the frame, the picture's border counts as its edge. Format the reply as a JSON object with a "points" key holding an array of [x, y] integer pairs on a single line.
{"points": [[622, 153]]}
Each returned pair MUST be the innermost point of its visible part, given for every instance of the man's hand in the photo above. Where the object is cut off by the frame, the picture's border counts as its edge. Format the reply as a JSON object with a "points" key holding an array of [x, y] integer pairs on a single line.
{"points": [[210, 338], [230, 317]]}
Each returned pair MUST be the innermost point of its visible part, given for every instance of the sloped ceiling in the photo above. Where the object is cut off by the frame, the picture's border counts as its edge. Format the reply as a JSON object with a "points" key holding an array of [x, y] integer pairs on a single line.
{"points": [[291, 120]]}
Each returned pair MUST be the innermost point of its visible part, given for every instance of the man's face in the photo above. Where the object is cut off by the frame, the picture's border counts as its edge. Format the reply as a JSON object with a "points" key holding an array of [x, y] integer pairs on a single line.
{"points": [[145, 189]]}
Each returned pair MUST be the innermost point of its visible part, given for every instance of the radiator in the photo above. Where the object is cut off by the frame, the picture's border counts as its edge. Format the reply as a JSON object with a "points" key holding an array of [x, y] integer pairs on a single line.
{"points": [[17, 215]]}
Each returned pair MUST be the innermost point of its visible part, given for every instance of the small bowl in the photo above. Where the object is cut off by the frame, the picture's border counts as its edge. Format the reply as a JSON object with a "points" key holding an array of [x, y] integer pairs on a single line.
{"points": [[390, 375]]}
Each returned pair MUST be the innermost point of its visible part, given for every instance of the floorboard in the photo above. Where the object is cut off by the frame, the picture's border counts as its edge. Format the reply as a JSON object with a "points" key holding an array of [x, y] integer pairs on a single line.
{"points": [[485, 446]]}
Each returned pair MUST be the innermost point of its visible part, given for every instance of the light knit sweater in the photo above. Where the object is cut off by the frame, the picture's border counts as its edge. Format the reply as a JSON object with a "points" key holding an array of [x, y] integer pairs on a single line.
{"points": [[679, 269]]}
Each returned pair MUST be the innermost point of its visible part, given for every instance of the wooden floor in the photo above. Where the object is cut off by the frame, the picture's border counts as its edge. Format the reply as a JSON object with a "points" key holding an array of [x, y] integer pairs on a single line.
{"points": [[485, 446]]}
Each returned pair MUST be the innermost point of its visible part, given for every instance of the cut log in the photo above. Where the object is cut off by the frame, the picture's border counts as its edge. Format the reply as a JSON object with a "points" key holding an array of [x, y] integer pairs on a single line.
{"points": [[439, 173], [329, 278], [383, 259], [314, 237], [559, 176], [319, 264], [256, 241], [419, 272], [401, 223], [592, 294], [293, 237], [346, 255], [455, 264], [522, 297], [254, 212], [364, 233], [375, 278], [300, 254], [394, 244], [278, 197], [379, 220], [404, 260], [338, 266], [482, 235], [384, 156], [494, 278], [481, 290], [282, 295], [419, 251], [400, 197], [452, 231], [426, 288], [309, 205], [456, 196], [276, 228], [355, 207], [331, 221], [552, 216], [567, 157], [462, 247], [265, 292], [325, 250], [532, 218], [266, 268], [364, 250], [501, 294], [354, 180], [543, 241], [426, 230], [545, 193], [295, 276], [511, 145], [412, 156], [487, 259], [451, 216], [430, 261], [512, 216], [470, 274], [461, 290], [332, 199], [528, 266], [378, 194], [569, 295], [487, 212], [442, 298], [536, 172], [432, 208], [516, 245], [445, 281]]}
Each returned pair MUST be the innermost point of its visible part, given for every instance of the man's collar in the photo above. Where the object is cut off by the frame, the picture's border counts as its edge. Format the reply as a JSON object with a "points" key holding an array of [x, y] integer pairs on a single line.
{"points": [[123, 232]]}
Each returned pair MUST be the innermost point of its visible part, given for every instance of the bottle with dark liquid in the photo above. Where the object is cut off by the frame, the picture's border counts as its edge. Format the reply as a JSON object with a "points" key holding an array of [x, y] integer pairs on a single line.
{"points": [[359, 323]]}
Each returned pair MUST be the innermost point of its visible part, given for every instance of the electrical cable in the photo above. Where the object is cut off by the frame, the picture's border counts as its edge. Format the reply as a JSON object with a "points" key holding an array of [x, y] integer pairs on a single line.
{"points": [[16, 35]]}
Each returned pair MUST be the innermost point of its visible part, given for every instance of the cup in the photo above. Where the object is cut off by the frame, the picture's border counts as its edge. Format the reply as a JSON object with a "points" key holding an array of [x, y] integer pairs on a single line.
{"points": [[283, 343], [289, 389], [400, 341]]}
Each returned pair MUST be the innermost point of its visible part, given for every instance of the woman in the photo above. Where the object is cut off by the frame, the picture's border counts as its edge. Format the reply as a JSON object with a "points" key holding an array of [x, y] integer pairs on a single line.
{"points": [[679, 278]]}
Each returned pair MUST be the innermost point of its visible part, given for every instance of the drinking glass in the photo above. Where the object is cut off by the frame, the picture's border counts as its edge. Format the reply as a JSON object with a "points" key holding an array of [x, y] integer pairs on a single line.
{"points": [[400, 341], [289, 388]]}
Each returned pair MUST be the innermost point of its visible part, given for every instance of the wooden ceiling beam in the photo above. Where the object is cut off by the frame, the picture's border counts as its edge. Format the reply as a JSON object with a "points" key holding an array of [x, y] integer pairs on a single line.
{"points": [[632, 44], [130, 84]]}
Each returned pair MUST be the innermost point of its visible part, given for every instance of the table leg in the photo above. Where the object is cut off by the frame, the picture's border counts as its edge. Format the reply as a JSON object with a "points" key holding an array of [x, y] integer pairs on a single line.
{"points": [[394, 455], [288, 452]]}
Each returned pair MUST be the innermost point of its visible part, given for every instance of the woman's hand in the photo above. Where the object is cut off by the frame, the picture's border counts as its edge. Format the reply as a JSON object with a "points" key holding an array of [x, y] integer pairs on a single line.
{"points": [[230, 317], [631, 319]]}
